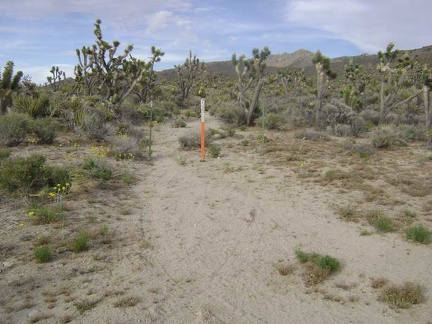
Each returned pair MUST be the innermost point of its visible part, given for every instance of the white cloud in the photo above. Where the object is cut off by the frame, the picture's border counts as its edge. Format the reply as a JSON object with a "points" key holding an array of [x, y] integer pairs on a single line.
{"points": [[368, 24]]}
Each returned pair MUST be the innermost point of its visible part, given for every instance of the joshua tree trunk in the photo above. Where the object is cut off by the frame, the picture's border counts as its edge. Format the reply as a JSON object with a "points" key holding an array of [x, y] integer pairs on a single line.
{"points": [[428, 115], [255, 99], [320, 95]]}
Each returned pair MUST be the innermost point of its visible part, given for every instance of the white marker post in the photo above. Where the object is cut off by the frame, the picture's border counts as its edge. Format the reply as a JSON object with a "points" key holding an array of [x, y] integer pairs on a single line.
{"points": [[202, 128]]}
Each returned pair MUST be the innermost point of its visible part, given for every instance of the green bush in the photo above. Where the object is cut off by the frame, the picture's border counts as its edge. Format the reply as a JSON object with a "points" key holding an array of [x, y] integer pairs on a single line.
{"points": [[23, 174], [81, 243], [95, 122], [43, 254], [45, 215], [44, 130], [272, 121], [411, 133], [4, 154], [55, 175], [214, 151], [33, 107], [97, 168], [13, 129], [385, 137], [330, 263], [384, 224], [324, 262], [419, 234], [178, 123]]}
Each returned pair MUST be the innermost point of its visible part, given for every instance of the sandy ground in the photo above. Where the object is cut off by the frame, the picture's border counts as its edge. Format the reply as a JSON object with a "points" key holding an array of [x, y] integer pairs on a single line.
{"points": [[204, 241]]}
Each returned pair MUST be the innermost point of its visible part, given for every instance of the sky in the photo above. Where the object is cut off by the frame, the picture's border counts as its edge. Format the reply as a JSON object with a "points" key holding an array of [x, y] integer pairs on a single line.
{"points": [[39, 34]]}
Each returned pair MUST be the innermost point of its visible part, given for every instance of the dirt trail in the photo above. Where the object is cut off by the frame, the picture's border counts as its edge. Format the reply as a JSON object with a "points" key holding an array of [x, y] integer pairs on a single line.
{"points": [[207, 236]]}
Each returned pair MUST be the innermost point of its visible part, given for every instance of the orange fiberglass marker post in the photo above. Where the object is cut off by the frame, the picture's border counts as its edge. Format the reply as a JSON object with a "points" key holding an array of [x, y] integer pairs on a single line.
{"points": [[202, 128]]}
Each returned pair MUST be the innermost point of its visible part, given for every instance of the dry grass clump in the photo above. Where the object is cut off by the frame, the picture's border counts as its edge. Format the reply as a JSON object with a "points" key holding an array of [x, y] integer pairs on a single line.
{"points": [[403, 296], [378, 283], [84, 305], [317, 267], [312, 135], [285, 269], [349, 214], [128, 301], [193, 140]]}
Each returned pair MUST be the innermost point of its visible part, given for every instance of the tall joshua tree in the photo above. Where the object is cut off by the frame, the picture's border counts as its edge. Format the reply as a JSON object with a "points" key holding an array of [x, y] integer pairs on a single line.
{"points": [[187, 74], [395, 70], [250, 72], [8, 84], [324, 74], [100, 71]]}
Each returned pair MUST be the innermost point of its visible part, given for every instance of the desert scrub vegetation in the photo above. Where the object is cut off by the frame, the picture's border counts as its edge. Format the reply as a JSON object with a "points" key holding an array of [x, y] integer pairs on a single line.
{"points": [[311, 135], [192, 140], [30, 174], [97, 168], [43, 253], [317, 267], [13, 129], [45, 214], [403, 296], [419, 234]]}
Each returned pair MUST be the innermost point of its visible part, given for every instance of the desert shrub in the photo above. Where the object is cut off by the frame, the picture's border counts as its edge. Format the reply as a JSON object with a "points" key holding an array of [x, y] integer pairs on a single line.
{"points": [[193, 140], [178, 123], [214, 151], [341, 130], [341, 120], [370, 116], [34, 107], [411, 133], [55, 175], [403, 296], [419, 234], [384, 137], [22, 174], [4, 154], [318, 267], [97, 168], [13, 128], [228, 131], [44, 130], [130, 145], [43, 254], [80, 242], [95, 122], [383, 224], [272, 121], [230, 113], [312, 135], [364, 150], [337, 112], [45, 215]]}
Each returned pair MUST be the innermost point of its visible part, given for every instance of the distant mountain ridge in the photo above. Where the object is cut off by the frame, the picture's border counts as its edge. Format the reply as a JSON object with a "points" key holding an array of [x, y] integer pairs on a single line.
{"points": [[302, 59]]}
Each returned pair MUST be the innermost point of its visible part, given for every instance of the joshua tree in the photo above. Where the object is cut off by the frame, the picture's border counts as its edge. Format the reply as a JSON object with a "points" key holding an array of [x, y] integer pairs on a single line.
{"points": [[423, 81], [324, 74], [427, 84], [250, 72], [291, 80], [145, 86], [8, 84], [354, 89], [187, 74], [394, 69], [56, 77], [113, 77]]}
